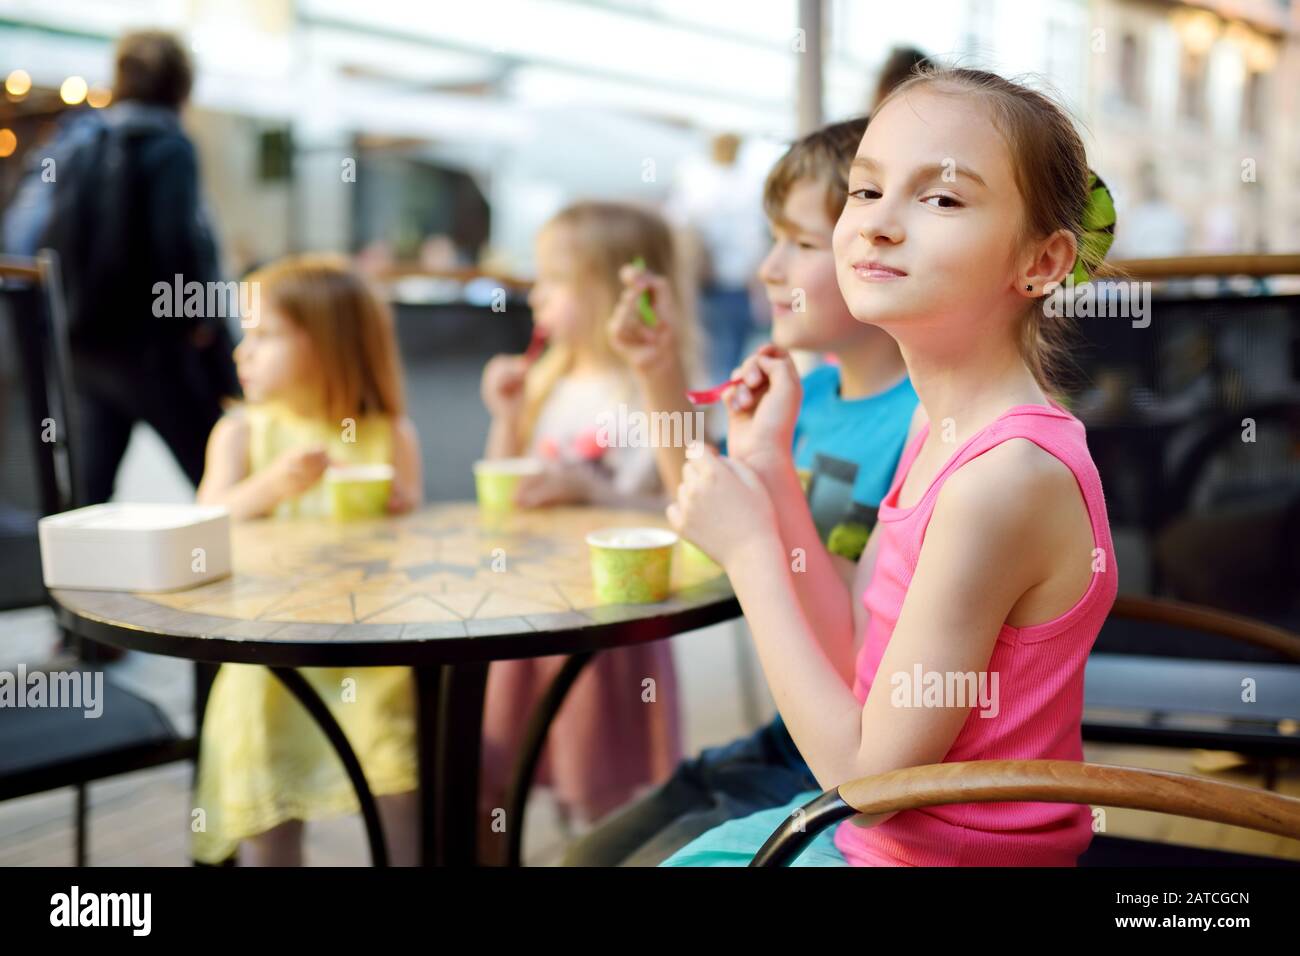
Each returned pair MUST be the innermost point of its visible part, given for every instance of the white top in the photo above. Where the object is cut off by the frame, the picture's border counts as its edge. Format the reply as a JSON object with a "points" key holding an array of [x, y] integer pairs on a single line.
{"points": [[579, 423]]}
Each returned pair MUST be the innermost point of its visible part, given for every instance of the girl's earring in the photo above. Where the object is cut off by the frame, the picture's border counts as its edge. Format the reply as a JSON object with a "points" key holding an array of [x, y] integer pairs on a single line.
{"points": [[1029, 288]]}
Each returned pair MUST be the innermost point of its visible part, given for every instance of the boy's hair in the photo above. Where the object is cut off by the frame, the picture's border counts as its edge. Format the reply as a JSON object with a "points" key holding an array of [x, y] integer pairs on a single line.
{"points": [[152, 67], [602, 238], [1051, 171], [350, 327], [823, 156]]}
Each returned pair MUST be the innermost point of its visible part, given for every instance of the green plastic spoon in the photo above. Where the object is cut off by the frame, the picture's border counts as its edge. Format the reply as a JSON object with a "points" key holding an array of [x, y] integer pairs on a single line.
{"points": [[643, 301]]}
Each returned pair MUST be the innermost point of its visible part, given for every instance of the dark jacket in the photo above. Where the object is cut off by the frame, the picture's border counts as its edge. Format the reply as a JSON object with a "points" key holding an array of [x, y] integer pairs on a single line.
{"points": [[123, 213]]}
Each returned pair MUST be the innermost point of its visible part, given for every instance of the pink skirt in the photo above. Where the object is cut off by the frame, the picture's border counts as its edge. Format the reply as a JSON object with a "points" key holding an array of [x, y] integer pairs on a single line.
{"points": [[615, 733]]}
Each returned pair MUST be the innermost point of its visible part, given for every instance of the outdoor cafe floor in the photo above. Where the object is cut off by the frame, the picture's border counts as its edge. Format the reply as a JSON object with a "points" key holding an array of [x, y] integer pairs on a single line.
{"points": [[140, 819]]}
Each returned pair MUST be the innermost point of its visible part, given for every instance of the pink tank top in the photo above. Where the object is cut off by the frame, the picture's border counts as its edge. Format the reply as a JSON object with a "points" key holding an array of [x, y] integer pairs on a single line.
{"points": [[1040, 676]]}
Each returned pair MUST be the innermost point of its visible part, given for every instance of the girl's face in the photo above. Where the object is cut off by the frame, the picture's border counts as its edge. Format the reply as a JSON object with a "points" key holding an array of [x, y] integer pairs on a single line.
{"points": [[929, 233], [558, 307], [808, 311], [276, 360]]}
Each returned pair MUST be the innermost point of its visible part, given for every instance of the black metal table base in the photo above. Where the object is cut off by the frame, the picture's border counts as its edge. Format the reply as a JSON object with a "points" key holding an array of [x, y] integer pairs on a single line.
{"points": [[450, 721], [449, 705], [530, 752], [297, 685]]}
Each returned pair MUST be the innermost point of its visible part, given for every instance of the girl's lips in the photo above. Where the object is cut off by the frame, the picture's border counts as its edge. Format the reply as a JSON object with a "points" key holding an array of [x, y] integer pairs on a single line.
{"points": [[877, 271]]}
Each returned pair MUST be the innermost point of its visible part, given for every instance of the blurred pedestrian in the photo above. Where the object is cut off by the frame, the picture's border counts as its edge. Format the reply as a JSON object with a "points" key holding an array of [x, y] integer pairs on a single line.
{"points": [[123, 211]]}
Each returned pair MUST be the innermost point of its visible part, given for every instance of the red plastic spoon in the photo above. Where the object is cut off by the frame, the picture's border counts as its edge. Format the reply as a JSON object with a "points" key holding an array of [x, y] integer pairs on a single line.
{"points": [[535, 345], [707, 396]]}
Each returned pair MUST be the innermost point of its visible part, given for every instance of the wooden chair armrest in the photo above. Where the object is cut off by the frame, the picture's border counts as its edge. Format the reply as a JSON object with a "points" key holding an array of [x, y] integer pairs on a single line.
{"points": [[1229, 265], [19, 267], [1043, 781], [1069, 781], [1208, 620]]}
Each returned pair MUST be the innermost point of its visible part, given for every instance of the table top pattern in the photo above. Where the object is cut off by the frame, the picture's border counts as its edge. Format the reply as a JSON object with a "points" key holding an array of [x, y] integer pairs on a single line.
{"points": [[445, 572]]}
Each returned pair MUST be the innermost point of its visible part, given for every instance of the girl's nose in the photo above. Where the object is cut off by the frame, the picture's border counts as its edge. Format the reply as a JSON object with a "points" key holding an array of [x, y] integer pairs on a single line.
{"points": [[771, 270], [881, 224]]}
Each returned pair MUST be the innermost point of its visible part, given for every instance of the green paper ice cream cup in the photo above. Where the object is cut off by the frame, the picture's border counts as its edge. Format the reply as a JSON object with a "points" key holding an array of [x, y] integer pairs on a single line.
{"points": [[631, 565], [358, 491], [496, 479]]}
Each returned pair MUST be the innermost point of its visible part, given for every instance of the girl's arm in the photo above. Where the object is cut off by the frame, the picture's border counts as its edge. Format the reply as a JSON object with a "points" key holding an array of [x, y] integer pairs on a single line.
{"points": [[817, 577], [502, 389], [633, 483], [226, 480], [664, 391], [408, 469], [225, 474], [986, 546], [818, 591], [652, 353], [502, 438], [761, 415]]}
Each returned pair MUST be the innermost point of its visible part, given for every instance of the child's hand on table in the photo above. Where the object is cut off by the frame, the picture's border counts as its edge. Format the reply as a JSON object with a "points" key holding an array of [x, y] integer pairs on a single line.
{"points": [[722, 507], [761, 411], [645, 348], [299, 468], [559, 483], [401, 500], [502, 386]]}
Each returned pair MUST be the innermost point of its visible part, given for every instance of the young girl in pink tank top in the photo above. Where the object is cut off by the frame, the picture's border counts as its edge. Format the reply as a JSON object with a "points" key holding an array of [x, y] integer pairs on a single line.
{"points": [[962, 632]]}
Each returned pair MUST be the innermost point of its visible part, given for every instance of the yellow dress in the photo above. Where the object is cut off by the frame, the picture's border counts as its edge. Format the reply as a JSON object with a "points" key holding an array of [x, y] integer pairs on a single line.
{"points": [[262, 758]]}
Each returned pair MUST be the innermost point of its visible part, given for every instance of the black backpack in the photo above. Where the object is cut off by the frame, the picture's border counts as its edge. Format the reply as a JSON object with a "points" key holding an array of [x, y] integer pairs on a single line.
{"points": [[99, 225]]}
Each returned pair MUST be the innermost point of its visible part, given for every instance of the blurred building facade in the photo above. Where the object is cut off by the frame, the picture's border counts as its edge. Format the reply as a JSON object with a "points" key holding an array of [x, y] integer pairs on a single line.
{"points": [[1188, 108], [1196, 107]]}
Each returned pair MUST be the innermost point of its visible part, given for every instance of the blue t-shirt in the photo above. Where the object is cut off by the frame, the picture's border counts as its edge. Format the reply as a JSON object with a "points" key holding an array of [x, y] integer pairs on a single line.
{"points": [[851, 447]]}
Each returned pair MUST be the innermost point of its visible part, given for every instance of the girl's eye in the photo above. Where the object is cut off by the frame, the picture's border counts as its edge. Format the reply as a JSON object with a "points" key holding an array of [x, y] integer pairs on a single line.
{"points": [[945, 201], [865, 192], [806, 245]]}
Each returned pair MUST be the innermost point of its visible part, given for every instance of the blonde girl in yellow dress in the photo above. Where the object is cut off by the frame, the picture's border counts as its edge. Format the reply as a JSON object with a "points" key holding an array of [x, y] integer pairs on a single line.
{"points": [[323, 385]]}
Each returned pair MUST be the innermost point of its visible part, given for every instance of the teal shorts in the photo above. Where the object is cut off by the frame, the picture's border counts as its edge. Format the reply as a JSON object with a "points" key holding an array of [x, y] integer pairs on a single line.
{"points": [[735, 842]]}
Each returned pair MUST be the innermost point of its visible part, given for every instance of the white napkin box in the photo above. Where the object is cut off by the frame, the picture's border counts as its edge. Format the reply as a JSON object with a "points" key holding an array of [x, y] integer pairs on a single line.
{"points": [[135, 547]]}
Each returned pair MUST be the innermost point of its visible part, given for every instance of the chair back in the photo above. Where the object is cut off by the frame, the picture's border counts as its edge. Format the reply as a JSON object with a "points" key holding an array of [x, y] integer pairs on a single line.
{"points": [[37, 473]]}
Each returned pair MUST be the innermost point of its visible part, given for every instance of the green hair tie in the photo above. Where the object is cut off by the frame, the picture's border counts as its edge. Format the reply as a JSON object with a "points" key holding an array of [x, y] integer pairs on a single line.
{"points": [[1098, 228]]}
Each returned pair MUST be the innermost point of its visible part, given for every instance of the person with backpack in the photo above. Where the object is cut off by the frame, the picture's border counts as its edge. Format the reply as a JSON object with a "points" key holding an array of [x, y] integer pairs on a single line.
{"points": [[117, 197]]}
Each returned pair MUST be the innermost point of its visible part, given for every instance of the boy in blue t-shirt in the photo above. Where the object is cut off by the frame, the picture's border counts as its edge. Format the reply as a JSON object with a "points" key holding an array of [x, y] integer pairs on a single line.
{"points": [[852, 425]]}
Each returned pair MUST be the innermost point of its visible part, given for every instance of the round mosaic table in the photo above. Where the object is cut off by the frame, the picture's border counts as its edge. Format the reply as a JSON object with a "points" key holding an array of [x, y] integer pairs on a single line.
{"points": [[444, 591]]}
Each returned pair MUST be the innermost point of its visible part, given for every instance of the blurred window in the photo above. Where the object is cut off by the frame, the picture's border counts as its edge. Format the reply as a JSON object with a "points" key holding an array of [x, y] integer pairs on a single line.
{"points": [[1130, 71], [1252, 104], [1192, 87]]}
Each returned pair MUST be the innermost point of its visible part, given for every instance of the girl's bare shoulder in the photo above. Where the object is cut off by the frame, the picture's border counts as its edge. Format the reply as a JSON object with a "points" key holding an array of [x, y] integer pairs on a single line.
{"points": [[231, 429], [1015, 496], [1014, 473]]}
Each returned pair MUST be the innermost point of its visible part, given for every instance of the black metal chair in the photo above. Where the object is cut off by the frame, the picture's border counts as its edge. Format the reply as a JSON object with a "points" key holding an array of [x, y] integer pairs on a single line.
{"points": [[47, 748], [1050, 781], [1194, 700]]}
